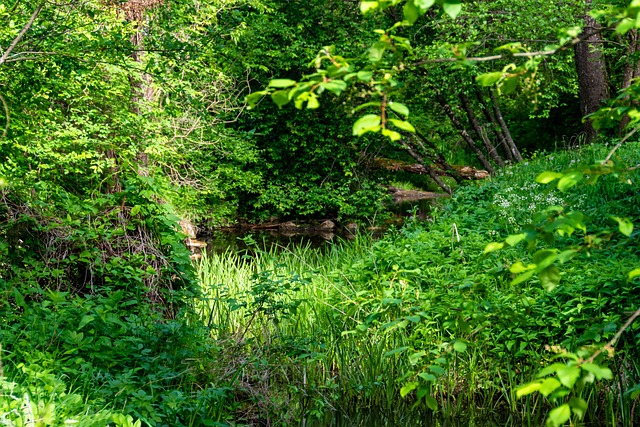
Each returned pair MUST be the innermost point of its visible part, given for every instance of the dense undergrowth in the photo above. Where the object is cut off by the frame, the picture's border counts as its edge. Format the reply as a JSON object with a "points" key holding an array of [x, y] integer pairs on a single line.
{"points": [[417, 321]]}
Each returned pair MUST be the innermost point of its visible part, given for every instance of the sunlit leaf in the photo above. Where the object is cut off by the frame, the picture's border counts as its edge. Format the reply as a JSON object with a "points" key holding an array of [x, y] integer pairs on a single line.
{"points": [[399, 108], [282, 83], [489, 79], [493, 246], [549, 278], [624, 225], [558, 416], [578, 406], [547, 177], [568, 375], [452, 7], [404, 125], [528, 388], [548, 386], [366, 6], [366, 123], [599, 371], [408, 388]]}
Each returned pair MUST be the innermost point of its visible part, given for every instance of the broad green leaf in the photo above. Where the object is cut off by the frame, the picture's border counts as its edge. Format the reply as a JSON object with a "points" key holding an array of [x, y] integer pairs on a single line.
{"points": [[408, 388], [519, 267], [569, 179], [568, 375], [625, 25], [509, 85], [135, 210], [399, 108], [424, 5], [376, 51], [280, 97], [253, 98], [624, 225], [282, 83], [438, 370], [313, 103], [411, 12], [558, 416], [364, 76], [414, 319], [599, 371], [366, 123], [366, 6], [528, 388], [547, 177], [427, 377], [514, 239], [404, 125], [548, 386], [493, 246], [549, 278], [391, 134], [578, 406], [334, 86], [459, 346], [431, 402], [544, 257], [489, 79], [416, 357], [86, 319], [633, 274], [522, 278], [452, 8]]}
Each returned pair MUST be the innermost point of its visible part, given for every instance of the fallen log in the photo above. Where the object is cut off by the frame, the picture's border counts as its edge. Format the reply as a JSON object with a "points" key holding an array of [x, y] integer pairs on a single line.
{"points": [[465, 172]]}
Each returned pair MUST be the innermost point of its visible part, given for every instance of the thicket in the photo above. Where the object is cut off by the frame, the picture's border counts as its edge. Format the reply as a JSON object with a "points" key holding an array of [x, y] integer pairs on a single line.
{"points": [[118, 119]]}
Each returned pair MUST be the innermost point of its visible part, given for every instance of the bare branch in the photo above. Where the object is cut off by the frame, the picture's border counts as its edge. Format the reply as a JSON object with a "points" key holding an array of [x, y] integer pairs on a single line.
{"points": [[22, 33]]}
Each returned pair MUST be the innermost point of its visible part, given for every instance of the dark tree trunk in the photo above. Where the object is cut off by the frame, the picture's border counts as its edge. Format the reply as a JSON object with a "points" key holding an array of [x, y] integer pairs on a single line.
{"points": [[631, 70], [491, 150], [465, 135], [432, 173], [505, 130], [497, 130], [592, 74]]}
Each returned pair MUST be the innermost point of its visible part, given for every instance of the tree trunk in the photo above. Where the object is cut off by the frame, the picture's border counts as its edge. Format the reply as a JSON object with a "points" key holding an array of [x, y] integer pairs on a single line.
{"points": [[631, 70], [497, 130], [491, 150], [418, 158], [505, 130], [592, 73], [465, 135]]}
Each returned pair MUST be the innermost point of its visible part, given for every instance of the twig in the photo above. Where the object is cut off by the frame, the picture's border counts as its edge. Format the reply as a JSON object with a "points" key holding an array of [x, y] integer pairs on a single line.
{"points": [[610, 344], [22, 33], [6, 112], [622, 141]]}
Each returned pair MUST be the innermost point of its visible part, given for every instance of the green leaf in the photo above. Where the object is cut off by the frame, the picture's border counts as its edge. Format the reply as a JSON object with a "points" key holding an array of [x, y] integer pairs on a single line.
{"points": [[391, 134], [416, 357], [438, 370], [431, 402], [568, 375], [493, 246], [424, 5], [624, 225], [253, 98], [547, 177], [376, 51], [489, 79], [411, 12], [569, 179], [334, 86], [396, 351], [548, 386], [282, 83], [550, 278], [528, 388], [427, 377], [519, 267], [578, 406], [599, 371], [633, 274], [280, 97], [404, 125], [408, 388], [313, 103], [366, 123], [366, 6], [135, 210], [86, 319], [514, 239], [399, 108], [509, 85], [364, 76], [625, 25], [452, 7], [559, 416], [459, 346]]}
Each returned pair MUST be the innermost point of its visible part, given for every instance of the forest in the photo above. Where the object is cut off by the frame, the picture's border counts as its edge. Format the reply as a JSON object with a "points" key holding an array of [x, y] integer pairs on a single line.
{"points": [[472, 165]]}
